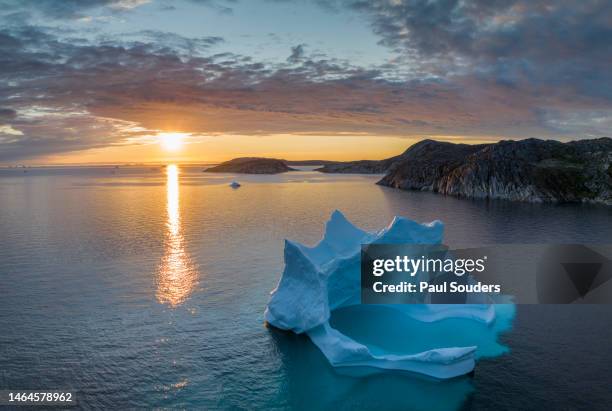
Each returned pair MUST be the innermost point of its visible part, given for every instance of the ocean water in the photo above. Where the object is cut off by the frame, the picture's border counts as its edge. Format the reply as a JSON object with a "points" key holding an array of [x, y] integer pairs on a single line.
{"points": [[145, 287]]}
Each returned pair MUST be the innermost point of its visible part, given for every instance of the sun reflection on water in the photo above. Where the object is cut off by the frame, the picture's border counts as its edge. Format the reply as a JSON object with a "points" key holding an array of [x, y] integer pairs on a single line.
{"points": [[177, 274]]}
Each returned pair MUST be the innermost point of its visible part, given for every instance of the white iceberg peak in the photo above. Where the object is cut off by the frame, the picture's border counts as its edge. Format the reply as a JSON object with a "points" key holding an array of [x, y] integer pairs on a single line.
{"points": [[317, 280], [300, 299]]}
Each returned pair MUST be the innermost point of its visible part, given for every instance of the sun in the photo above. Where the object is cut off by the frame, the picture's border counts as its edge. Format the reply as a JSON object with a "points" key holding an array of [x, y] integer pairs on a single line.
{"points": [[171, 141]]}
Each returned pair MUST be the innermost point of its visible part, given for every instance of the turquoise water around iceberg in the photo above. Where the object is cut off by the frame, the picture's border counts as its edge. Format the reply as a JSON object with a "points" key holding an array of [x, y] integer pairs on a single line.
{"points": [[142, 288], [387, 330]]}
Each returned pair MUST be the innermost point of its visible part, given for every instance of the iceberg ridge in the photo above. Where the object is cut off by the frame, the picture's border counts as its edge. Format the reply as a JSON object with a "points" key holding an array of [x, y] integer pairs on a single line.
{"points": [[318, 280]]}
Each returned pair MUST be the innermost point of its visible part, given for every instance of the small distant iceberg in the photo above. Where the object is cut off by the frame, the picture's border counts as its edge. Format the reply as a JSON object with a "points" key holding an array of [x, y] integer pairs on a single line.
{"points": [[319, 280], [235, 184]]}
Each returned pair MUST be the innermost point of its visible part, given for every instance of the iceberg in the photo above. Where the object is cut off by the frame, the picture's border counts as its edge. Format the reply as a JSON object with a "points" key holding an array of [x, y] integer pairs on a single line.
{"points": [[318, 281]]}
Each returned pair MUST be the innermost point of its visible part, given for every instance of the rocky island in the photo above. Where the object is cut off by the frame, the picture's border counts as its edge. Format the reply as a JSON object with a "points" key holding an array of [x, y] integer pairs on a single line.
{"points": [[251, 165], [529, 170]]}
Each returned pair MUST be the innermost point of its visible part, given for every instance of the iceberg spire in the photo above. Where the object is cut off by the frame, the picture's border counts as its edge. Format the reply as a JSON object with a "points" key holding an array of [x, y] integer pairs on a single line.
{"points": [[318, 280]]}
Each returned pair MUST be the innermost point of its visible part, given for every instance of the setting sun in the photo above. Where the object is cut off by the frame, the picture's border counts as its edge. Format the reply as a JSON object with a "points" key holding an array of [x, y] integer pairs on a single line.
{"points": [[171, 141]]}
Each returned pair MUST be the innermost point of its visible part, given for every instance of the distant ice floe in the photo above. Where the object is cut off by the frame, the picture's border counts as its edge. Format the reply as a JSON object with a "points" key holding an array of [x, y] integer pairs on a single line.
{"points": [[318, 280]]}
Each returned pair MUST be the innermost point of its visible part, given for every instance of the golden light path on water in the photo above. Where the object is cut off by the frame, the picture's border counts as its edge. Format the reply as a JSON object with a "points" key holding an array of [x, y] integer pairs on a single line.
{"points": [[177, 276]]}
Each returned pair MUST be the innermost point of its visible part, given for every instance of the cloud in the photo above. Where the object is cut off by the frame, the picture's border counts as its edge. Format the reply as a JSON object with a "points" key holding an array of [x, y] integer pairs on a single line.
{"points": [[68, 9], [79, 9], [554, 43], [222, 6], [172, 41], [496, 69], [7, 114], [297, 54], [55, 132]]}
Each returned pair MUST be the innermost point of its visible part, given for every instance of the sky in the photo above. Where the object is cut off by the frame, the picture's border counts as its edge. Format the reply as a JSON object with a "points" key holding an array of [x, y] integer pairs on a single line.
{"points": [[207, 80]]}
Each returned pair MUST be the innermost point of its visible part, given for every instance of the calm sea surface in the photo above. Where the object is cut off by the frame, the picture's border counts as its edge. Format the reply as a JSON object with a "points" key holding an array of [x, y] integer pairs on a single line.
{"points": [[145, 287]]}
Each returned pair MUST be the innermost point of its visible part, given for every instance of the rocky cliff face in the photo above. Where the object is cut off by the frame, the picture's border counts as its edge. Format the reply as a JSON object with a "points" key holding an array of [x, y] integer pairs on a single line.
{"points": [[251, 165], [528, 170], [425, 163]]}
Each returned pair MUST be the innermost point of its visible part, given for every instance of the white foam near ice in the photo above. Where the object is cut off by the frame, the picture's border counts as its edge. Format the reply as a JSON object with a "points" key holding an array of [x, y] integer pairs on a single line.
{"points": [[317, 280]]}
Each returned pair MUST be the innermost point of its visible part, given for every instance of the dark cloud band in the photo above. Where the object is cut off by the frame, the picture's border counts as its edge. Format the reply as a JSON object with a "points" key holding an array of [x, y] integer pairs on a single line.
{"points": [[507, 69]]}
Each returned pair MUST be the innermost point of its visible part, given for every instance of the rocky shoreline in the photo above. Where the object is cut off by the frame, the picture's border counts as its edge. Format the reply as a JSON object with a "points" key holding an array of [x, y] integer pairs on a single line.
{"points": [[530, 170]]}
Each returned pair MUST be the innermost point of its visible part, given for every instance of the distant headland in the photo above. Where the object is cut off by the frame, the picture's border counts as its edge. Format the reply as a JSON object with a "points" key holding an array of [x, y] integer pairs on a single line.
{"points": [[531, 170], [251, 165]]}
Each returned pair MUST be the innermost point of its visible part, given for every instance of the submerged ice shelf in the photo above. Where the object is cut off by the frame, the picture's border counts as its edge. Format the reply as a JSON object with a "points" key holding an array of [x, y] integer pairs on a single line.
{"points": [[318, 280]]}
